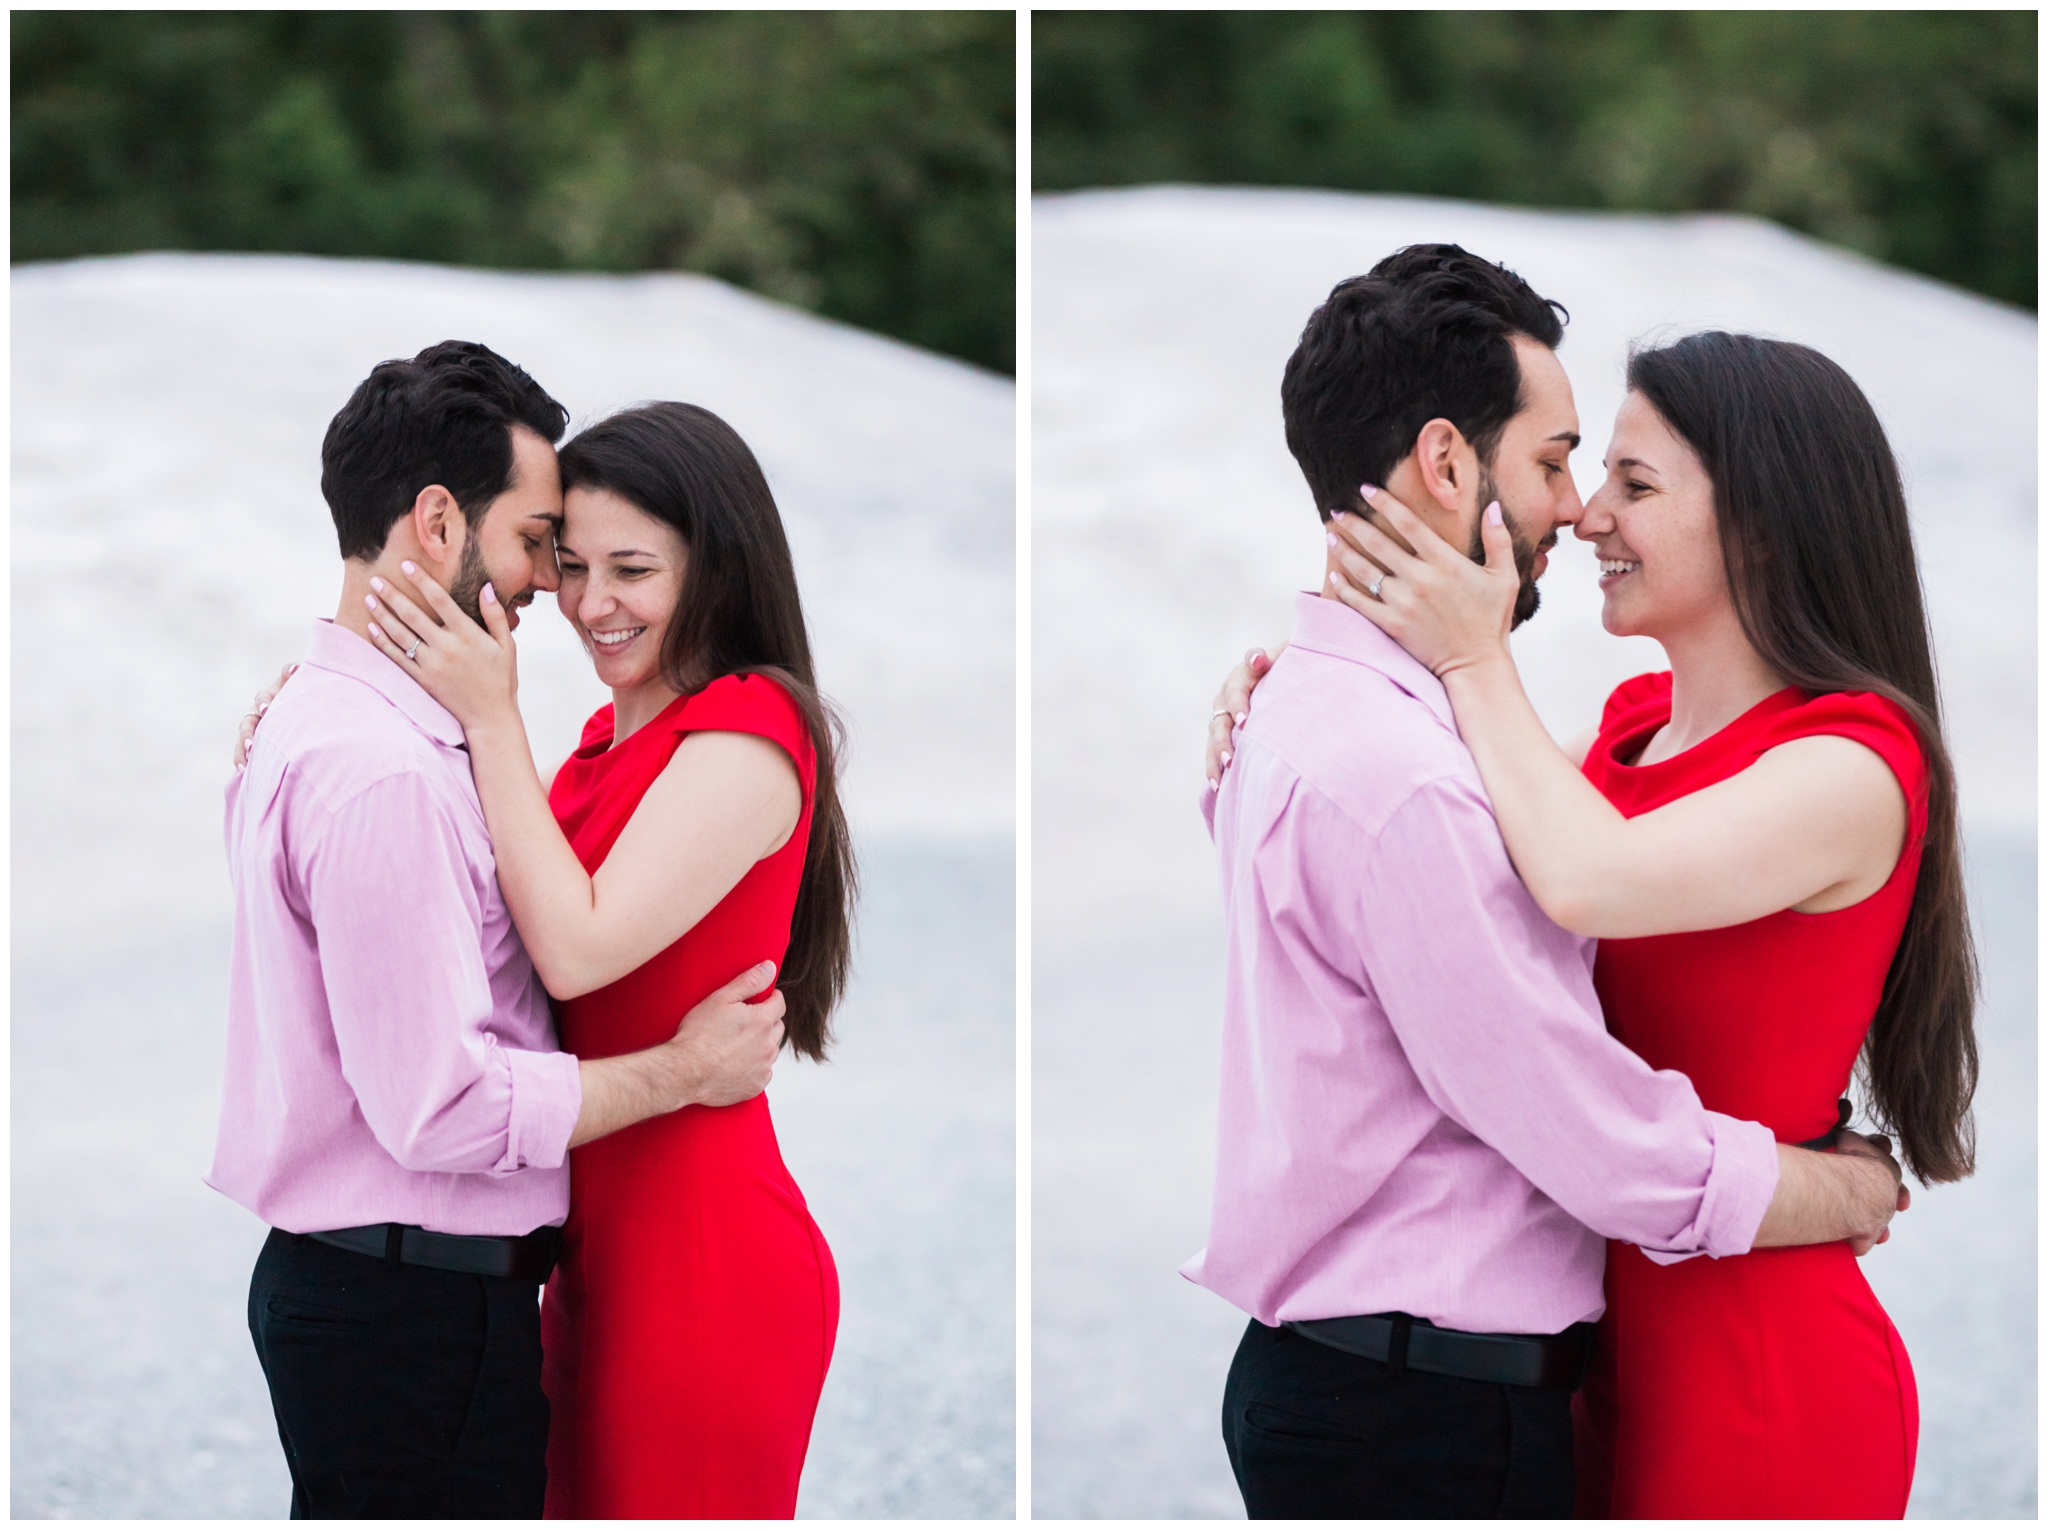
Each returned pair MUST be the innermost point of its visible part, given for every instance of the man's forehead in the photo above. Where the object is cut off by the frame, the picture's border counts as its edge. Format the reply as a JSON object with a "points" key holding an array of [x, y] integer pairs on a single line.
{"points": [[1549, 412], [536, 477]]}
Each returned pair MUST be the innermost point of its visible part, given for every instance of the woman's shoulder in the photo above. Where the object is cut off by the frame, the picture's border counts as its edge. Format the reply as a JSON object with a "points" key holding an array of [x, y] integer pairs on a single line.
{"points": [[1878, 723], [1638, 695], [1872, 720], [749, 703]]}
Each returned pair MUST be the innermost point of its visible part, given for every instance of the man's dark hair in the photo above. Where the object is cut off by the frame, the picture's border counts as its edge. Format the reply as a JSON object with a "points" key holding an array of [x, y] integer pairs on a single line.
{"points": [[444, 417], [1425, 334]]}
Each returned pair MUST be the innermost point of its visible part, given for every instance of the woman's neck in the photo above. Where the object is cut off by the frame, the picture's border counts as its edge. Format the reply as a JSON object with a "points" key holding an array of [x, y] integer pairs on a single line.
{"points": [[1716, 676], [635, 706]]}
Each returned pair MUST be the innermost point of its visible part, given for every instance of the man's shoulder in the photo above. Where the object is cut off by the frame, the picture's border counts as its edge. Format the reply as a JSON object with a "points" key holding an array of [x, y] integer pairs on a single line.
{"points": [[1354, 735], [332, 737]]}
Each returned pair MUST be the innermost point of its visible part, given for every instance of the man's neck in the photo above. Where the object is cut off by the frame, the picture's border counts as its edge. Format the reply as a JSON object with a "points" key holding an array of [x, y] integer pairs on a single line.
{"points": [[353, 612]]}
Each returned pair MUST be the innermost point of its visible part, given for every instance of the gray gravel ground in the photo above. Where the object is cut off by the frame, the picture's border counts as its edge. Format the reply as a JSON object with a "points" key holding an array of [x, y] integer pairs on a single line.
{"points": [[1129, 1359], [136, 1394]]}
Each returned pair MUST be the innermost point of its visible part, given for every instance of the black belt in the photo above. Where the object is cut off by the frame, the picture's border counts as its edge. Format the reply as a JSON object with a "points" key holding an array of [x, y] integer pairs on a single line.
{"points": [[1513, 1359], [529, 1258]]}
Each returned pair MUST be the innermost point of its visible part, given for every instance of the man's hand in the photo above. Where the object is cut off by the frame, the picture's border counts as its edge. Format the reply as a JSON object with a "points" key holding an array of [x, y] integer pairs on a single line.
{"points": [[1877, 1146], [255, 713], [1230, 706], [722, 1053], [725, 1049]]}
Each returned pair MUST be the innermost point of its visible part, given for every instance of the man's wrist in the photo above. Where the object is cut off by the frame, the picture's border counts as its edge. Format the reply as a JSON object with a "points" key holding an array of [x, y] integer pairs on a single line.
{"points": [[682, 1076]]}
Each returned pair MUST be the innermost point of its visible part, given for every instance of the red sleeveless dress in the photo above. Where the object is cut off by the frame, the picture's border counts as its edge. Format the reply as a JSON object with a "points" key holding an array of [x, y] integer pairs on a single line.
{"points": [[687, 1329], [1769, 1385]]}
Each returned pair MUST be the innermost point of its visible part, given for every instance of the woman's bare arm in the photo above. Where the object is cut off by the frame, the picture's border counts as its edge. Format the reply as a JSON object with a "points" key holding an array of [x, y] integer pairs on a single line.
{"points": [[723, 802], [1816, 822]]}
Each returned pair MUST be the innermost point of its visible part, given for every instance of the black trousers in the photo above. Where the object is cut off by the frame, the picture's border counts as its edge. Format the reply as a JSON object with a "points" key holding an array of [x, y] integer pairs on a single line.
{"points": [[400, 1392], [1315, 1433]]}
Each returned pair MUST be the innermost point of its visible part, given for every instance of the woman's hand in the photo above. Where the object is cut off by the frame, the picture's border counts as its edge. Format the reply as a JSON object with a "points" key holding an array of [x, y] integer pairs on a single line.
{"points": [[1446, 610], [472, 671], [255, 713], [1231, 704]]}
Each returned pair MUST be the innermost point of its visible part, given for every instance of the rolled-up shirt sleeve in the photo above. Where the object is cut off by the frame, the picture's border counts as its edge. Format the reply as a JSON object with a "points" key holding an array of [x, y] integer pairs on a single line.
{"points": [[400, 919], [1494, 1006]]}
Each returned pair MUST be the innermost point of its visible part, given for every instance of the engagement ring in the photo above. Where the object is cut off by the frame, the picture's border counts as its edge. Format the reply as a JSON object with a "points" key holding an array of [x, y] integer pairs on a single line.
{"points": [[413, 652]]}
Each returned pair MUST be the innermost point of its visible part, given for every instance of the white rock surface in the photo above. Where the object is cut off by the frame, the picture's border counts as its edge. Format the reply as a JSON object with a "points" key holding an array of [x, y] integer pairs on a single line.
{"points": [[170, 550], [1170, 528], [171, 547]]}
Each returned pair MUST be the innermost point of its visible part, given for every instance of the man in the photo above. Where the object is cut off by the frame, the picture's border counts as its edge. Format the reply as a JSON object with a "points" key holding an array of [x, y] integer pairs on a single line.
{"points": [[395, 1105], [1426, 1132]]}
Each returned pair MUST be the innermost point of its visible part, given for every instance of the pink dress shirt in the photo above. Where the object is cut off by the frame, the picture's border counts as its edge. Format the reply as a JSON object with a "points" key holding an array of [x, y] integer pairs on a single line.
{"points": [[390, 1055], [1422, 1110]]}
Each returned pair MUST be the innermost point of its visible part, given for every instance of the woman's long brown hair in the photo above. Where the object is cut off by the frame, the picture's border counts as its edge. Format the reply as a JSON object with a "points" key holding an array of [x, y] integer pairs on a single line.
{"points": [[1819, 552], [738, 613]]}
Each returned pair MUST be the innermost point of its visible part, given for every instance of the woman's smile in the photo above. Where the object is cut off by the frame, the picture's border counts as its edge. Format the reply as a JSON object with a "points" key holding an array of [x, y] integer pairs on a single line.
{"points": [[612, 642]]}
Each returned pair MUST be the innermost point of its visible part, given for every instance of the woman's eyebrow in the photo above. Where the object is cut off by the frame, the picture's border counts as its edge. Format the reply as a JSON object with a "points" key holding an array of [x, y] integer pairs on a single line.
{"points": [[632, 552], [1634, 462]]}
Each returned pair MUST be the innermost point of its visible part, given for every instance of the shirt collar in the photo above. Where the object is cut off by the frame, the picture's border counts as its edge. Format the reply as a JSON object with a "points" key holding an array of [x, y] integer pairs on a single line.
{"points": [[342, 652], [1333, 628]]}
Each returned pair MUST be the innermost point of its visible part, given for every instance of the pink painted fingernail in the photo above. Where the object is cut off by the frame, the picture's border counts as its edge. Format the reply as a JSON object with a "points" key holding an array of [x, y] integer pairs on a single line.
{"points": [[377, 585], [409, 569], [1240, 719], [375, 631], [1493, 513], [490, 595], [1367, 490], [370, 601], [1225, 757], [1331, 538]]}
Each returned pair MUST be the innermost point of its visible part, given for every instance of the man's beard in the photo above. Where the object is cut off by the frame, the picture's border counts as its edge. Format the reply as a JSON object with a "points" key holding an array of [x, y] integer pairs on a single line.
{"points": [[470, 579], [1528, 598]]}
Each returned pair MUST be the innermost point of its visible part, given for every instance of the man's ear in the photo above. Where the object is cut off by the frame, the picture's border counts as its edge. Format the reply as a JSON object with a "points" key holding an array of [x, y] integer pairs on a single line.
{"points": [[437, 523], [1444, 461]]}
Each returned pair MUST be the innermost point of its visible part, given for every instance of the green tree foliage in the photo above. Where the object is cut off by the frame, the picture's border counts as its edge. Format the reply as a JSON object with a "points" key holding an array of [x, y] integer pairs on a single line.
{"points": [[857, 163], [1907, 135]]}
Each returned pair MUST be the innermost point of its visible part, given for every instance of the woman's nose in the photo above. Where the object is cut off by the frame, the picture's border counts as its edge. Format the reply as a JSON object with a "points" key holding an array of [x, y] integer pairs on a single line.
{"points": [[1594, 520]]}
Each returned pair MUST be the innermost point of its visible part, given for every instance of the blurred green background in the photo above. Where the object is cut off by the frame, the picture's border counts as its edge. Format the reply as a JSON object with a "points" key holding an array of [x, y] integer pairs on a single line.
{"points": [[1906, 135], [860, 164]]}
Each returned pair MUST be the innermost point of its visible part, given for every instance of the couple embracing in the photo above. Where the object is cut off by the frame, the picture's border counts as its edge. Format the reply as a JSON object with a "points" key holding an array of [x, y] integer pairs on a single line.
{"points": [[451, 979], [1533, 1168]]}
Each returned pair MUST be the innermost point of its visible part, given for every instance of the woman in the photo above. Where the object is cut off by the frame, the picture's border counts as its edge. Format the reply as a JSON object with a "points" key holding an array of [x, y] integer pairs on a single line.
{"points": [[688, 1326], [1764, 840]]}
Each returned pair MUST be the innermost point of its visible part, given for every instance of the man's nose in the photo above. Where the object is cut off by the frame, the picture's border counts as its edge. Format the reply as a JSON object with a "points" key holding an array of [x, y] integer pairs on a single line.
{"points": [[1569, 509], [547, 573]]}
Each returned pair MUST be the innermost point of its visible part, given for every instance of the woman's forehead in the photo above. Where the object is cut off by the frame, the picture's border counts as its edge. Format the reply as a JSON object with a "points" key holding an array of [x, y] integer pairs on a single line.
{"points": [[595, 520]]}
